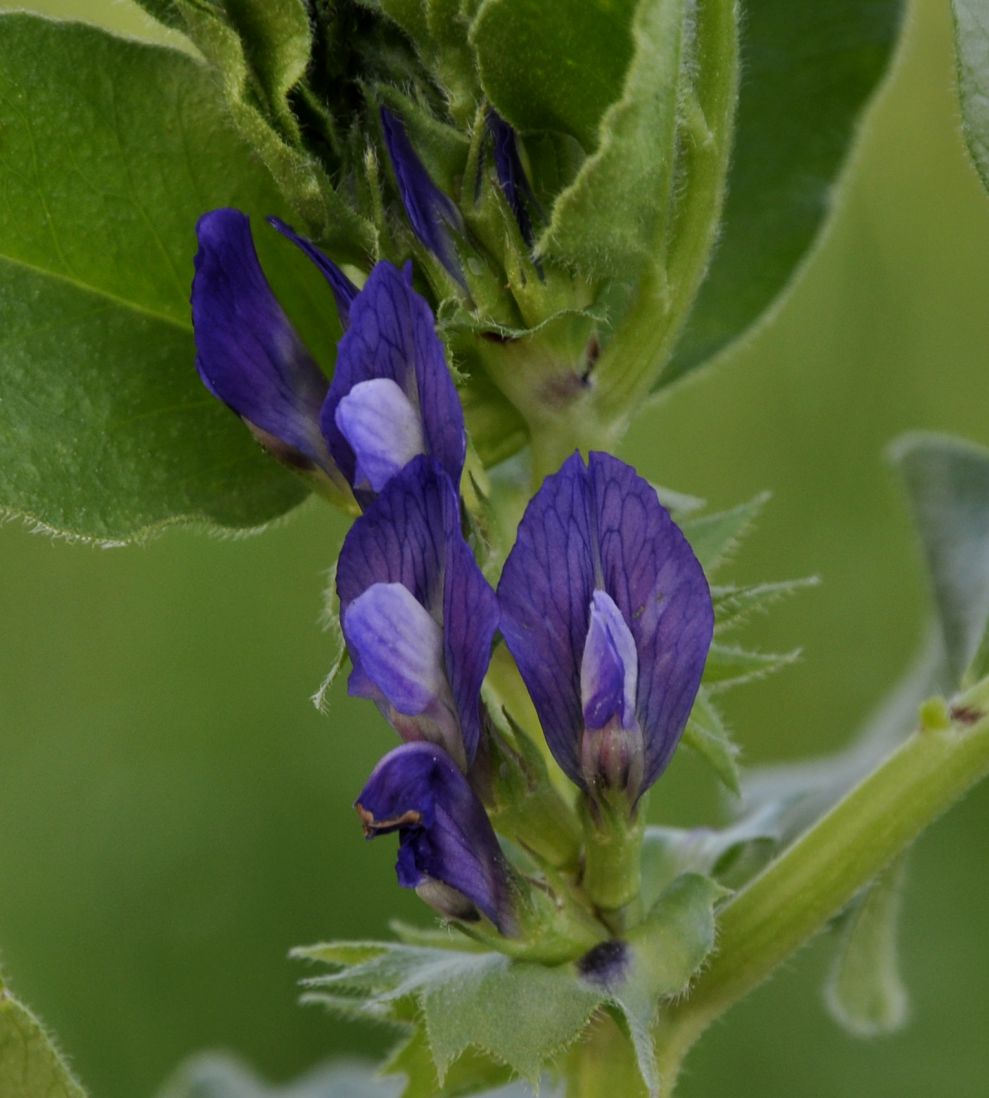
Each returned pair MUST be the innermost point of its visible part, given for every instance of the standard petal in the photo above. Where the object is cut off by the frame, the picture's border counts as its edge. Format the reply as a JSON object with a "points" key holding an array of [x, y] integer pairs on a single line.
{"points": [[544, 598], [247, 352], [445, 833], [392, 336], [432, 215], [609, 667], [383, 429], [398, 645], [651, 573], [344, 291]]}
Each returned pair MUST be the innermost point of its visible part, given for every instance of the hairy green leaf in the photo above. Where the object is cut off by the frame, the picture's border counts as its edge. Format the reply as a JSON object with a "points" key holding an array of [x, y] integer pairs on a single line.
{"points": [[947, 481], [471, 1073], [728, 666], [707, 734], [30, 1065], [105, 430], [715, 537], [805, 83], [865, 992], [733, 606], [518, 1013], [613, 216], [972, 45], [554, 66], [664, 953]]}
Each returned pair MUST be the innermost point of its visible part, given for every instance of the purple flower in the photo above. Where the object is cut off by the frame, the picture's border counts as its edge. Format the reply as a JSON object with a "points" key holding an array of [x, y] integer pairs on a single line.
{"points": [[247, 352], [431, 213], [608, 615], [417, 614], [447, 849], [392, 396], [511, 175]]}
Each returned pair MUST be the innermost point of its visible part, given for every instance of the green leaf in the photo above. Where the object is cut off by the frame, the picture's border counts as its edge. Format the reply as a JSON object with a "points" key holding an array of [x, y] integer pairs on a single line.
{"points": [[728, 855], [554, 66], [733, 606], [106, 433], [219, 1075], [337, 645], [805, 84], [947, 482], [972, 45], [518, 1013], [260, 50], [865, 992], [714, 538], [728, 666], [665, 951], [472, 1073], [613, 217], [30, 1065], [707, 735]]}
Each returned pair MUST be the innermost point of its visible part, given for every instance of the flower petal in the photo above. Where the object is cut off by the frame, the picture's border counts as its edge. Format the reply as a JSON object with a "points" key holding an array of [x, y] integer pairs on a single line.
{"points": [[383, 429], [603, 528], [609, 666], [344, 291], [545, 596], [247, 352], [445, 833], [431, 213], [649, 569], [399, 646], [392, 336], [410, 535]]}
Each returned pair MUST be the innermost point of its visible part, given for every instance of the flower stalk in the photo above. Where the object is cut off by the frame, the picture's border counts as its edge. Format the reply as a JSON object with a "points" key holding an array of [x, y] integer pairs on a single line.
{"points": [[817, 876]]}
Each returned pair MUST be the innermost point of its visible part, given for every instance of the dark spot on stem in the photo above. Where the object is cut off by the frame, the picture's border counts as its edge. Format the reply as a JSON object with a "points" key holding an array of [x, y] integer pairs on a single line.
{"points": [[966, 714]]}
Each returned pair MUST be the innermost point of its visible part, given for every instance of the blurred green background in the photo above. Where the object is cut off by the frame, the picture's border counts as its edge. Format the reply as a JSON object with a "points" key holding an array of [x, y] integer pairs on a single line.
{"points": [[175, 815]]}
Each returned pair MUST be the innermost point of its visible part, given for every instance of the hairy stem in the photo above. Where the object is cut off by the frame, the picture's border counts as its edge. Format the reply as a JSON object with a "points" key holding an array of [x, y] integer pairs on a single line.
{"points": [[816, 876]]}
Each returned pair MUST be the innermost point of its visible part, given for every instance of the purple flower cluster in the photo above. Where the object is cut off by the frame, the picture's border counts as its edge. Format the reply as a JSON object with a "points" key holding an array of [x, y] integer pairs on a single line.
{"points": [[601, 602]]}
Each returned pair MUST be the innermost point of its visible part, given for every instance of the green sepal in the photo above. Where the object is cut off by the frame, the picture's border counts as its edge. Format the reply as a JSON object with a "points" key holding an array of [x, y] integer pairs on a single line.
{"points": [[715, 537], [972, 46], [107, 433], [947, 482], [864, 992], [521, 1015], [30, 1064], [707, 735]]}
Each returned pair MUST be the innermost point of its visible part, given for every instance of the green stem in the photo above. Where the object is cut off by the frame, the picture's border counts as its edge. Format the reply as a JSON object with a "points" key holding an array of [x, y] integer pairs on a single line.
{"points": [[815, 877]]}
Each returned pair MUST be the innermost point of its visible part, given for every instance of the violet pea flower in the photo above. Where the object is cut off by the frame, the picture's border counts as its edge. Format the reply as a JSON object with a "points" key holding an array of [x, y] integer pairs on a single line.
{"points": [[434, 218], [391, 398], [417, 614], [608, 615], [447, 848]]}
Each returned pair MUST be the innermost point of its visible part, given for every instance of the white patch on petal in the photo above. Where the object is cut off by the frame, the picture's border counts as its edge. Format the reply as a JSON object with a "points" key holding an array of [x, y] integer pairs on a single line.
{"points": [[383, 428]]}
